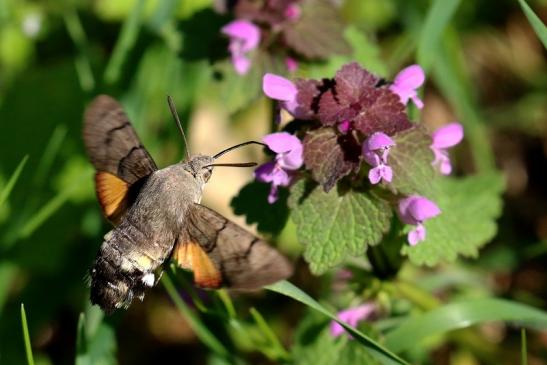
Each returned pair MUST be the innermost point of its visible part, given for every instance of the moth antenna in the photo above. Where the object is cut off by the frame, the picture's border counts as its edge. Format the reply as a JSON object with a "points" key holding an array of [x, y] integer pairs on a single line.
{"points": [[235, 147], [240, 164], [176, 117]]}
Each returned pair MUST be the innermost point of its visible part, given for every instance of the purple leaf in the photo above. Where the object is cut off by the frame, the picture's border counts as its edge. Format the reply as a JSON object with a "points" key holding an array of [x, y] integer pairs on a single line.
{"points": [[330, 156]]}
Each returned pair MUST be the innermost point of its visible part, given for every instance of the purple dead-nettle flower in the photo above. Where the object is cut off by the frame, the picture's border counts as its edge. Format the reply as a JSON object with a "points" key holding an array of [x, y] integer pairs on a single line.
{"points": [[284, 91], [288, 159], [352, 316], [406, 82], [375, 151], [444, 138], [415, 210], [244, 37]]}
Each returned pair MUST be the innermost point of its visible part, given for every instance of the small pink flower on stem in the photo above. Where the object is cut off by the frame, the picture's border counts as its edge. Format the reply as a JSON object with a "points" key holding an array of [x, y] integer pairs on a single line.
{"points": [[375, 151], [293, 12], [444, 138], [244, 37], [415, 210], [406, 82], [291, 64], [288, 159], [352, 316]]}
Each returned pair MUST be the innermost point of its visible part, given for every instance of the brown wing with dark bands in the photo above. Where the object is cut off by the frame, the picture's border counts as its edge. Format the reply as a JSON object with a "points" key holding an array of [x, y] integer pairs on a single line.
{"points": [[114, 148], [112, 144], [243, 260]]}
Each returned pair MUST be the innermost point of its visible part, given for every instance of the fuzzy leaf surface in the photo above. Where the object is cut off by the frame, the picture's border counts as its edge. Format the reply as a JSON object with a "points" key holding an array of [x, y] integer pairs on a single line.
{"points": [[469, 208], [333, 225], [411, 159]]}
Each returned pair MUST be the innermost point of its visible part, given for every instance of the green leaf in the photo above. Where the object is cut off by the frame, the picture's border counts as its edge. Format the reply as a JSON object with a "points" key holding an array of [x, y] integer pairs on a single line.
{"points": [[411, 159], [461, 315], [6, 191], [95, 345], [252, 202], [26, 336], [469, 208], [535, 22], [379, 352], [435, 23], [334, 225]]}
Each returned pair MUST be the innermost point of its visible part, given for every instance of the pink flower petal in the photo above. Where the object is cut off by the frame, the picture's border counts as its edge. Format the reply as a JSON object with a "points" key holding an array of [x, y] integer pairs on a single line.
{"points": [[264, 172], [291, 64], [281, 142], [278, 88], [387, 173], [422, 209], [372, 158], [448, 135], [415, 209], [416, 235], [352, 316], [292, 160], [377, 141], [375, 175], [293, 12], [245, 31], [241, 64], [273, 195], [410, 78]]}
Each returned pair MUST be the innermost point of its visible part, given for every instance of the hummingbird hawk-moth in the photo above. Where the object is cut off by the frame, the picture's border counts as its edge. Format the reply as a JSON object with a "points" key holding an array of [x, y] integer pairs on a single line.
{"points": [[157, 215]]}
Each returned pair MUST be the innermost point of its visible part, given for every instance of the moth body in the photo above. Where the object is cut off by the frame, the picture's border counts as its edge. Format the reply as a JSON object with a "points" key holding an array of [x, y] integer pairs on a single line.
{"points": [[157, 216], [133, 251]]}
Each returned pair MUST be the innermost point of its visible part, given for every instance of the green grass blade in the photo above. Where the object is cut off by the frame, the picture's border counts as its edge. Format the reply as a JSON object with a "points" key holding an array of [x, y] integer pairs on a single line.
{"points": [[523, 346], [83, 65], [50, 152], [81, 342], [451, 78], [126, 41], [437, 19], [535, 22], [26, 336], [201, 331], [12, 180], [381, 353], [462, 315], [8, 273], [275, 345]]}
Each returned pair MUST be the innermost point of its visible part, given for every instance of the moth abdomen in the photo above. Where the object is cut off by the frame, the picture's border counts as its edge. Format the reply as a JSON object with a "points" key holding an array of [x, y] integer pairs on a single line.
{"points": [[116, 280]]}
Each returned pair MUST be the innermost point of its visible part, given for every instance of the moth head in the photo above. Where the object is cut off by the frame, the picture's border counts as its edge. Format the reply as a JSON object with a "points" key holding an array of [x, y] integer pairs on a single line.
{"points": [[202, 167]]}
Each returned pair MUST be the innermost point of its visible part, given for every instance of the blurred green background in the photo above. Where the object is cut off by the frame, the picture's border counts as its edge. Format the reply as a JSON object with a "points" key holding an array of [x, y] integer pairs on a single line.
{"points": [[486, 68]]}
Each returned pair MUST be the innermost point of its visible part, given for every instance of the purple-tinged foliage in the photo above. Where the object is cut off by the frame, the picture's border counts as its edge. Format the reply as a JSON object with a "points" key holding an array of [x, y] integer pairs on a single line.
{"points": [[444, 138], [406, 82], [352, 316], [288, 149], [415, 210], [354, 96], [330, 156]]}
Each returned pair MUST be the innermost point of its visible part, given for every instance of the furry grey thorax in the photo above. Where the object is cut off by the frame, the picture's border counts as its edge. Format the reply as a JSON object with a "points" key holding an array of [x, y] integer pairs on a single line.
{"points": [[131, 252]]}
